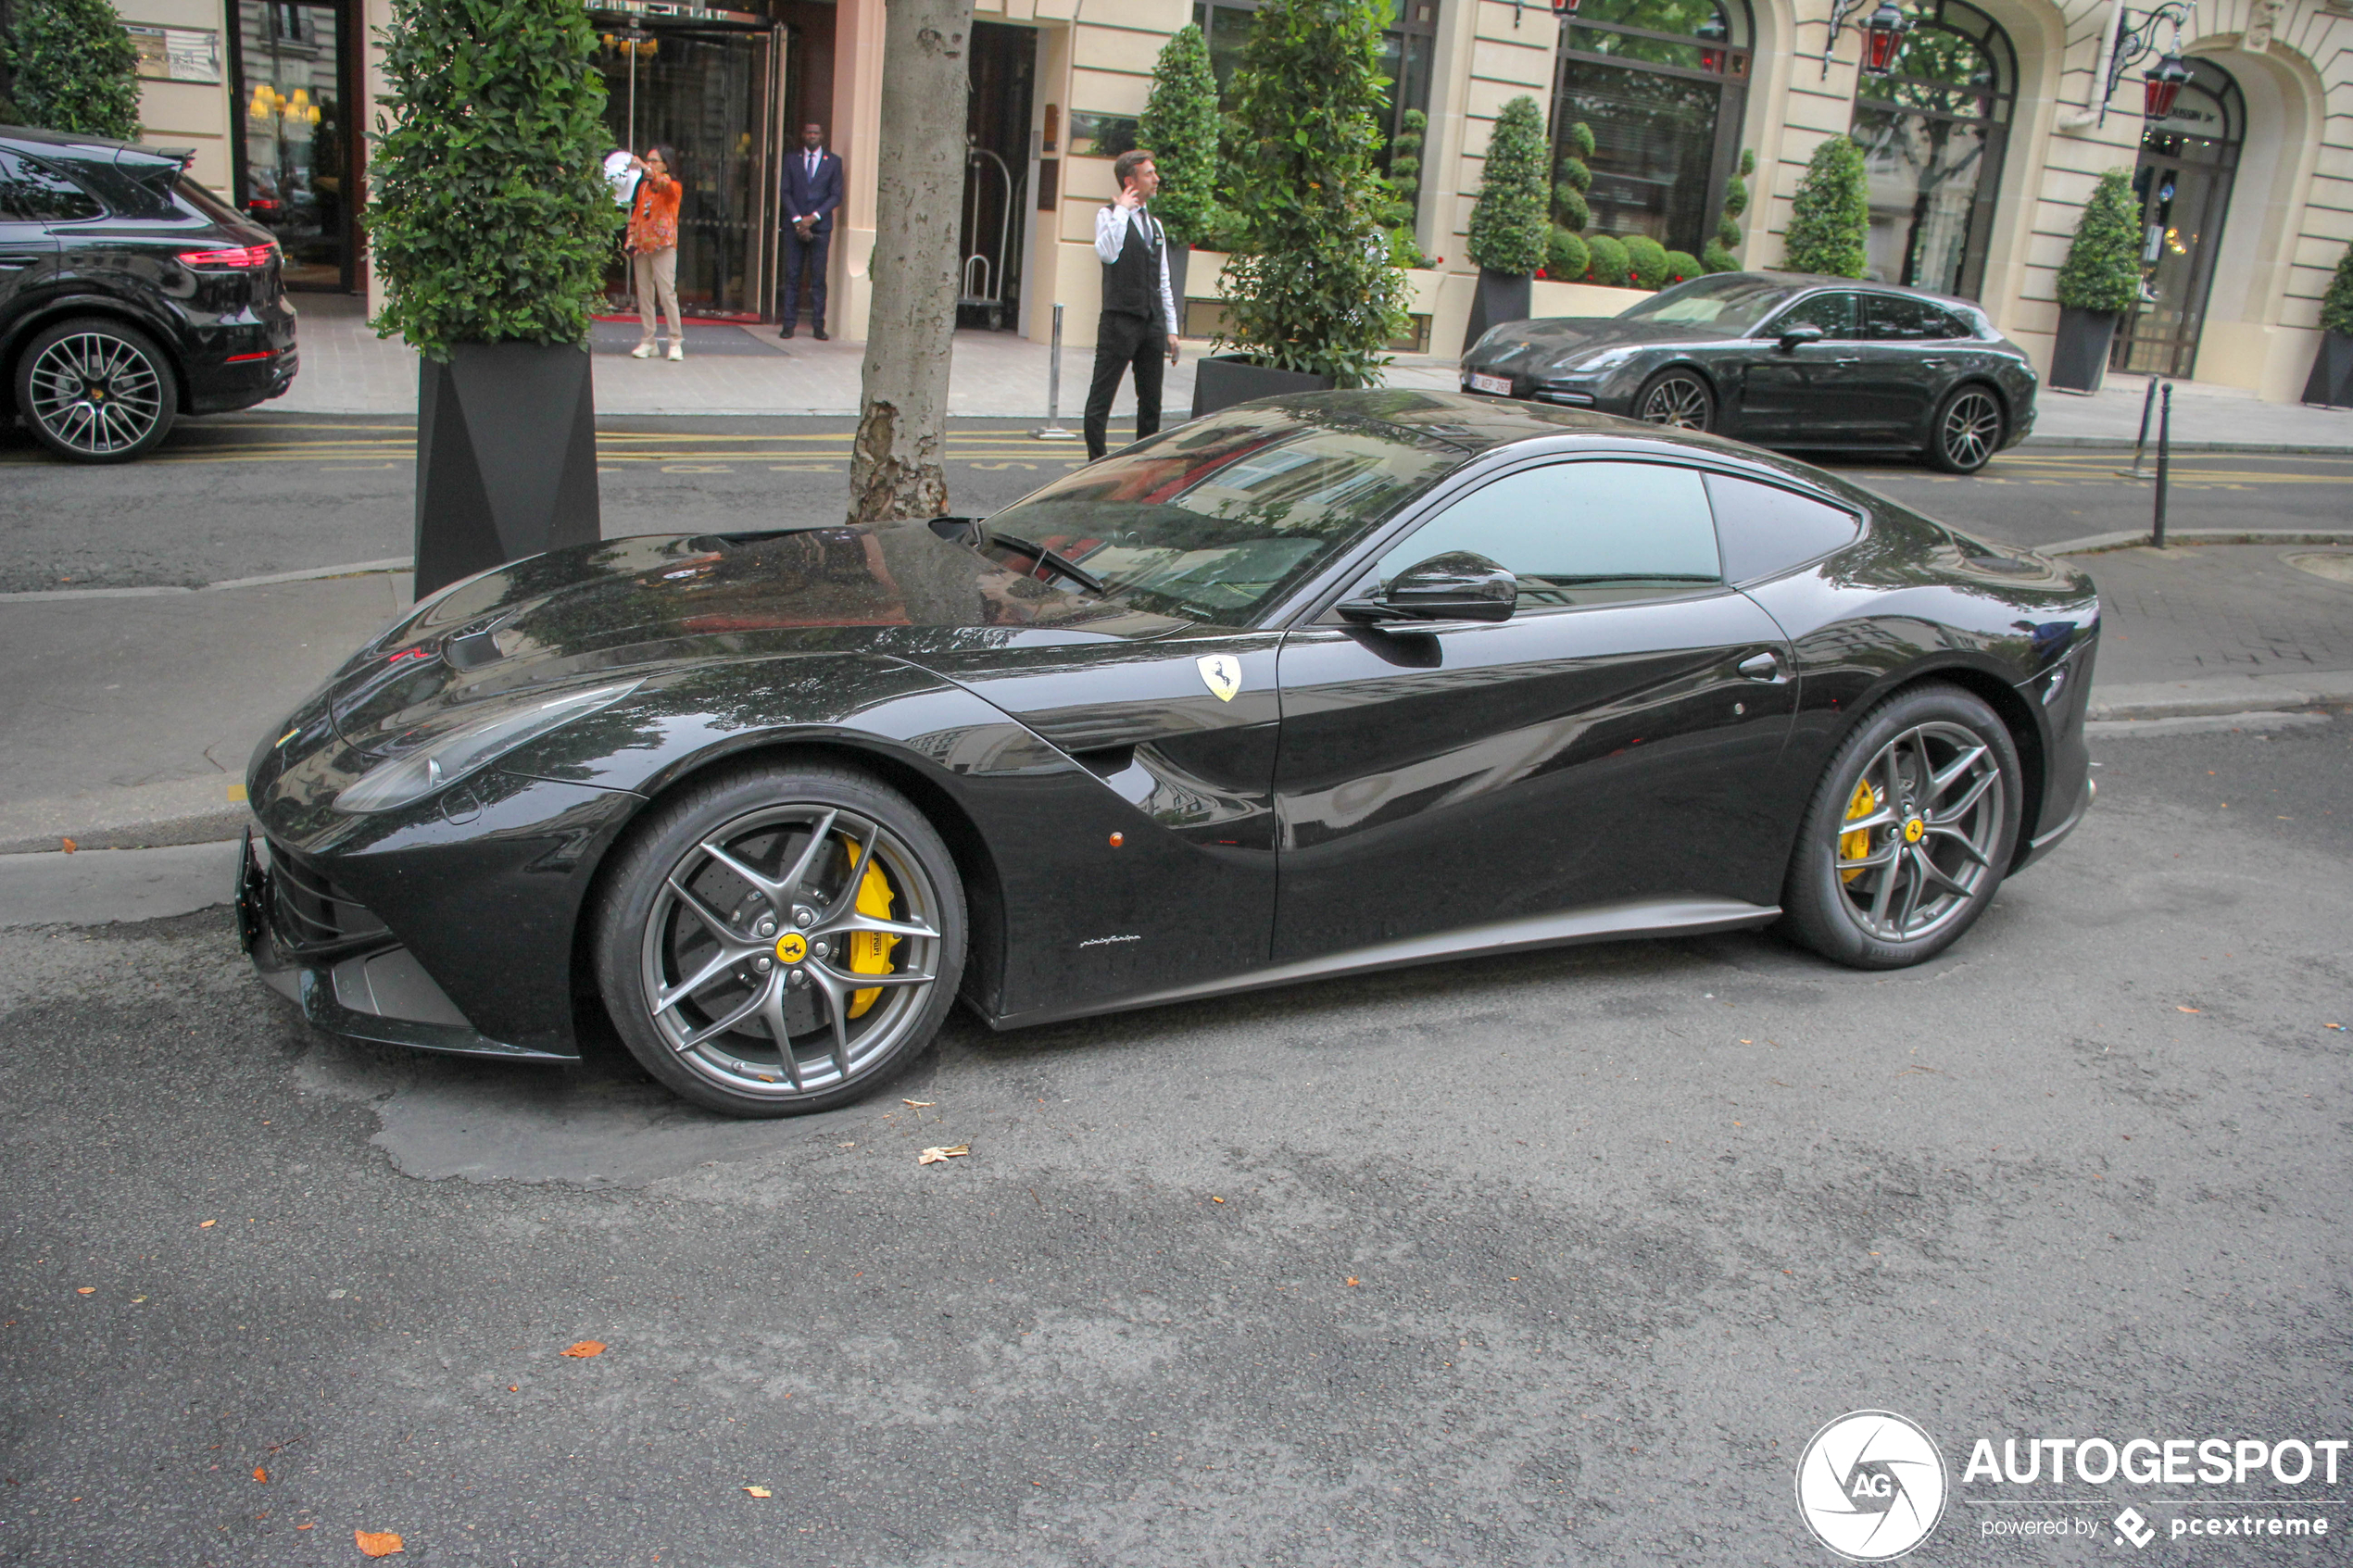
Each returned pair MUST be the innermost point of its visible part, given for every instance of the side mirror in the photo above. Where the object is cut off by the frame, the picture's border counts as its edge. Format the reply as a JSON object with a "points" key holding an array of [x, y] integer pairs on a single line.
{"points": [[1458, 585], [1796, 337]]}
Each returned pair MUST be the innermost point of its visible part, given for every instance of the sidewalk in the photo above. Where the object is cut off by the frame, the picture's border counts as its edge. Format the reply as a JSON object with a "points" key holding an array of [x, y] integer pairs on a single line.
{"points": [[130, 717], [731, 370]]}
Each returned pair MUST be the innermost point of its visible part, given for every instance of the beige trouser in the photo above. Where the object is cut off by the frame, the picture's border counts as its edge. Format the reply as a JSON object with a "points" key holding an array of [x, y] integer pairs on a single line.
{"points": [[657, 275]]}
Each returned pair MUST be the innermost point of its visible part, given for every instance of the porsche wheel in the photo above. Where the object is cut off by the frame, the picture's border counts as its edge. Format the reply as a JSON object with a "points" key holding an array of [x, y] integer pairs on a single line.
{"points": [[1909, 832], [780, 941], [1968, 431], [97, 391], [1677, 399]]}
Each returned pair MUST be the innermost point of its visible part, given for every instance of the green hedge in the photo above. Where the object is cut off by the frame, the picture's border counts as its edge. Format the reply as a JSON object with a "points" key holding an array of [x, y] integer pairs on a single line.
{"points": [[1610, 268], [74, 69], [1181, 124], [1830, 219], [1567, 257], [2336, 305]]}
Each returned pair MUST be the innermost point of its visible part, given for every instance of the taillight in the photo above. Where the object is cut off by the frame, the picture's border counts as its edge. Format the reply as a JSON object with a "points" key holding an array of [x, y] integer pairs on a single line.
{"points": [[243, 258]]}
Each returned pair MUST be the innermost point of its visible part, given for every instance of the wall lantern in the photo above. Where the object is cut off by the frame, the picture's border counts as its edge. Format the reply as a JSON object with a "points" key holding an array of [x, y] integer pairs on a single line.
{"points": [[2162, 85], [1883, 31], [1711, 34], [2135, 39]]}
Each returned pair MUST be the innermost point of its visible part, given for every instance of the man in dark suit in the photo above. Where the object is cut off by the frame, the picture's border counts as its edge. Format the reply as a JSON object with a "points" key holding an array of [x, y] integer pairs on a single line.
{"points": [[1139, 323], [813, 189]]}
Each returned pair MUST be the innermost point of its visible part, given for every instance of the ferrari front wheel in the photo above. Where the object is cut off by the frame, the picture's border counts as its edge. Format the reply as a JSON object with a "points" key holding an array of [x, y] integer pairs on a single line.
{"points": [[781, 940], [1909, 832]]}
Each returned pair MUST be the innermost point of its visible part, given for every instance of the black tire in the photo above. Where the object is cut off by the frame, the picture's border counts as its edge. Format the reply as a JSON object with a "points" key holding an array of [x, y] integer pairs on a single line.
{"points": [[1679, 398], [1889, 870], [1970, 427], [811, 837], [97, 391]]}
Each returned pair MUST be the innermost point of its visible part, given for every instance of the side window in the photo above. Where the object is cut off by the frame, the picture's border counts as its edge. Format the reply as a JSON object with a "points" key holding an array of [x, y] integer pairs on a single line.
{"points": [[1900, 319], [31, 194], [1765, 529], [1839, 316], [1579, 533]]}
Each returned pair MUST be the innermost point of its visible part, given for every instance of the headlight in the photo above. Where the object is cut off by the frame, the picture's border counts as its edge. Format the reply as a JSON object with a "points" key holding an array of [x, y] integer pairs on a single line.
{"points": [[448, 758]]}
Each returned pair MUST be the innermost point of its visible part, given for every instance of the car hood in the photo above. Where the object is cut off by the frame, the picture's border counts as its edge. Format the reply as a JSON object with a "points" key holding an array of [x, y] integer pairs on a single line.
{"points": [[642, 605], [1530, 345]]}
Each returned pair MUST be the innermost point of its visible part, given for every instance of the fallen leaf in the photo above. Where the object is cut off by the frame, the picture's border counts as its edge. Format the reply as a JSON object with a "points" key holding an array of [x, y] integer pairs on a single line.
{"points": [[69, 844], [206, 1224], [85, 1290], [924, 1104], [934, 1156], [259, 1473], [1217, 1201], [514, 1389], [585, 1349], [2332, 1025], [2187, 1010], [758, 1491], [310, 1526], [1351, 1279], [376, 1543]]}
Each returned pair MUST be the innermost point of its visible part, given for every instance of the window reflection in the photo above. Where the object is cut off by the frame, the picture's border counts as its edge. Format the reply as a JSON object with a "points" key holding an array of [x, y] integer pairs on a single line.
{"points": [[1932, 132], [1656, 81]]}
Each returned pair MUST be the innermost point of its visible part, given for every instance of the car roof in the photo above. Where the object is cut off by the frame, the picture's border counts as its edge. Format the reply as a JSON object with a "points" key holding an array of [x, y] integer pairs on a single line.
{"points": [[1823, 280], [1457, 418], [93, 149]]}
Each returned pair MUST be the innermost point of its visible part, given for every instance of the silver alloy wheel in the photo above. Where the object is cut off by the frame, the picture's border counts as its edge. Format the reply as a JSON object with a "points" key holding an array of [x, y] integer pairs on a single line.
{"points": [[1921, 829], [747, 958], [1972, 423], [95, 392], [1679, 402]]}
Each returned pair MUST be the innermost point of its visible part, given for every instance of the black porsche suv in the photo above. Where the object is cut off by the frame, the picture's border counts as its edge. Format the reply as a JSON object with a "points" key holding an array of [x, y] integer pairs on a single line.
{"points": [[129, 295]]}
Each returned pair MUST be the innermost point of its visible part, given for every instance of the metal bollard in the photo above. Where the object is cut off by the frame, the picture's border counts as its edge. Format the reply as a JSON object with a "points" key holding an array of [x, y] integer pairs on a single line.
{"points": [[2164, 445], [2140, 443], [1053, 430]]}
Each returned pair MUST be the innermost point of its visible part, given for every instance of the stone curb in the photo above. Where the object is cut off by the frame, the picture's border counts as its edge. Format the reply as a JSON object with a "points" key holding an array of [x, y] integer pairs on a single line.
{"points": [[2124, 444], [2093, 543]]}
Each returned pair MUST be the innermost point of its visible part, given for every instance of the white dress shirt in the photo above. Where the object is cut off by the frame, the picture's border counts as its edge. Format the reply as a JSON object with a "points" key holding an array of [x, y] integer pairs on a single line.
{"points": [[1110, 235]]}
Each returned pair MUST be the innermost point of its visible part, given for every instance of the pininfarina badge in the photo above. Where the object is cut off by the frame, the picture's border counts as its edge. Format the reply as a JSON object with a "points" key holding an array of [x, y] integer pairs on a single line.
{"points": [[1222, 673]]}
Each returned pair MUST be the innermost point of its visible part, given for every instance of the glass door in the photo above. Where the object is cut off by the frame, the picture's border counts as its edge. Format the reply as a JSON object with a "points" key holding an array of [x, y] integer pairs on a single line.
{"points": [[293, 145], [2183, 183]]}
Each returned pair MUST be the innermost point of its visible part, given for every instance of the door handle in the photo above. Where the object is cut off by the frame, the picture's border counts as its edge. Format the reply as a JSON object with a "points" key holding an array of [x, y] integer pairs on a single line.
{"points": [[1760, 667]]}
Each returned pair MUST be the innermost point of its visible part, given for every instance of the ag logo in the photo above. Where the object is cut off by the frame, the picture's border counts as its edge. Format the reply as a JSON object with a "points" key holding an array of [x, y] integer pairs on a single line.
{"points": [[1871, 1486], [1222, 673]]}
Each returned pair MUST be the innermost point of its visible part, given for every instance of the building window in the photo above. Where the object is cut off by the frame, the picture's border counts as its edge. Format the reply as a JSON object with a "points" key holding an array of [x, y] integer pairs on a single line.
{"points": [[1408, 41], [1932, 132], [1661, 84]]}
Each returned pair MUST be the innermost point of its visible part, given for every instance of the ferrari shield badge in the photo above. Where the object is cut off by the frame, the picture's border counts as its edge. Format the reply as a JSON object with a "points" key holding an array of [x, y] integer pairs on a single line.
{"points": [[1222, 673]]}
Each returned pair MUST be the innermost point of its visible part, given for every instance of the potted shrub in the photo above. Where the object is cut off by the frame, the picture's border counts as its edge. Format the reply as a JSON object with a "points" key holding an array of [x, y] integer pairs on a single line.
{"points": [[2099, 281], [1719, 253], [1682, 265], [1567, 256], [1646, 259], [1316, 296], [1180, 125], [1830, 215], [2332, 379], [1610, 268], [491, 226], [74, 69], [1510, 227]]}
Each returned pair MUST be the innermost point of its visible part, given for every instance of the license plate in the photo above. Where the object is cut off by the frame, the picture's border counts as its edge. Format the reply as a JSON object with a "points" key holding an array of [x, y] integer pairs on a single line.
{"points": [[1500, 386]]}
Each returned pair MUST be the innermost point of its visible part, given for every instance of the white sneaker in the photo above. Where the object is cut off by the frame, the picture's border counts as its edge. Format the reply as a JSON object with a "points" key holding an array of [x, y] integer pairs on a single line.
{"points": [[642, 351], [677, 351]]}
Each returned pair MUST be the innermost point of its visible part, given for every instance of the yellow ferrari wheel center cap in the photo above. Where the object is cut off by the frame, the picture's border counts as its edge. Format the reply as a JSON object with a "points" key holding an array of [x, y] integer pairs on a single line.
{"points": [[792, 947], [1913, 831]]}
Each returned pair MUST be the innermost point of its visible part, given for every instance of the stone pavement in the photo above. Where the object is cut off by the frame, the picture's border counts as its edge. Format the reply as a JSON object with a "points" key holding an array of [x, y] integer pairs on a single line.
{"points": [[731, 370]]}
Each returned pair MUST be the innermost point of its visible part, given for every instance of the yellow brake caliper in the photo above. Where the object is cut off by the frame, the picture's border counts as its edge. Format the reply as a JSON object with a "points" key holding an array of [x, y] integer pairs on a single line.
{"points": [[1858, 846], [870, 951]]}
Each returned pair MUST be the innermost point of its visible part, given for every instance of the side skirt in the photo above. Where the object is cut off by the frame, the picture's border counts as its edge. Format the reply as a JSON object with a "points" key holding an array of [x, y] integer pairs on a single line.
{"points": [[1599, 922]]}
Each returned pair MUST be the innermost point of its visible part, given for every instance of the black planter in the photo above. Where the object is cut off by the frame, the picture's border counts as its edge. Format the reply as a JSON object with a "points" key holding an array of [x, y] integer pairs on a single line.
{"points": [[1501, 296], [1221, 381], [1180, 258], [2331, 385], [505, 458], [2079, 358]]}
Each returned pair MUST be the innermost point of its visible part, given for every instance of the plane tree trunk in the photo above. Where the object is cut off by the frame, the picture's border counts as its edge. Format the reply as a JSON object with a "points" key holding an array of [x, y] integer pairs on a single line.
{"points": [[898, 466]]}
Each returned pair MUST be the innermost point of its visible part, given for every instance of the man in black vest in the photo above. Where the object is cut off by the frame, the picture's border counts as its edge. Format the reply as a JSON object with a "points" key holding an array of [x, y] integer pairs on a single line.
{"points": [[1139, 323]]}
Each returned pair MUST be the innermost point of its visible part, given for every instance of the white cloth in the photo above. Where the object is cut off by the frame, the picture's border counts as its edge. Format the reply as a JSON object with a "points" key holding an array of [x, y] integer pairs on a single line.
{"points": [[1110, 235], [621, 177]]}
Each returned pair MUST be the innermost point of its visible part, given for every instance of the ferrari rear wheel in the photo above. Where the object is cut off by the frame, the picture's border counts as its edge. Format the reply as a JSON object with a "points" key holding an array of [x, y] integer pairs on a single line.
{"points": [[1909, 832], [781, 940], [1677, 399]]}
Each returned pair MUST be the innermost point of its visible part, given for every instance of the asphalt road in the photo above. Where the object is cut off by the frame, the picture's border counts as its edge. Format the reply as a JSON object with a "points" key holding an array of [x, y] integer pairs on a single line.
{"points": [[1548, 1260], [250, 494]]}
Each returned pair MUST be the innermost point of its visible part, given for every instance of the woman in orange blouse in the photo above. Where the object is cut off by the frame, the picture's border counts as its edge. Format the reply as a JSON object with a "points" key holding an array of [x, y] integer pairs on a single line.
{"points": [[653, 246]]}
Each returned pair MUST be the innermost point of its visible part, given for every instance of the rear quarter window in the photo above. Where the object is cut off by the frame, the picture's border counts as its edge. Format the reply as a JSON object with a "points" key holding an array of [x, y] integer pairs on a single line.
{"points": [[1765, 530]]}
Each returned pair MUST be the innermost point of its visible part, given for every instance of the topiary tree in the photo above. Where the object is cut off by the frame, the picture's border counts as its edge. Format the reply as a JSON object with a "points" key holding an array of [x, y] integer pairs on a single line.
{"points": [[1610, 268], [2103, 267], [1508, 228], [1319, 291], [1719, 253], [1832, 218], [1567, 257], [1572, 177], [2336, 305], [491, 219], [1180, 125], [1682, 265], [1405, 155], [74, 69], [1646, 259]]}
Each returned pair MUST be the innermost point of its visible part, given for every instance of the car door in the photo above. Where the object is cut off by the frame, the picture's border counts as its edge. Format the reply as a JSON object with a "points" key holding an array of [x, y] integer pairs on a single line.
{"points": [[1593, 749], [1906, 363], [28, 253], [1804, 395]]}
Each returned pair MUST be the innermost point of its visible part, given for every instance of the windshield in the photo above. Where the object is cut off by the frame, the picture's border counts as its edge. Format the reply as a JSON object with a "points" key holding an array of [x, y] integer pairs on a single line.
{"points": [[1214, 519], [1732, 301]]}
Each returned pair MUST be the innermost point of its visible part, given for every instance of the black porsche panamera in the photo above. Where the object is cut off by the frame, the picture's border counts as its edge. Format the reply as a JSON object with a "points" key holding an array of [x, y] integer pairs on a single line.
{"points": [[1783, 359], [1313, 686]]}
